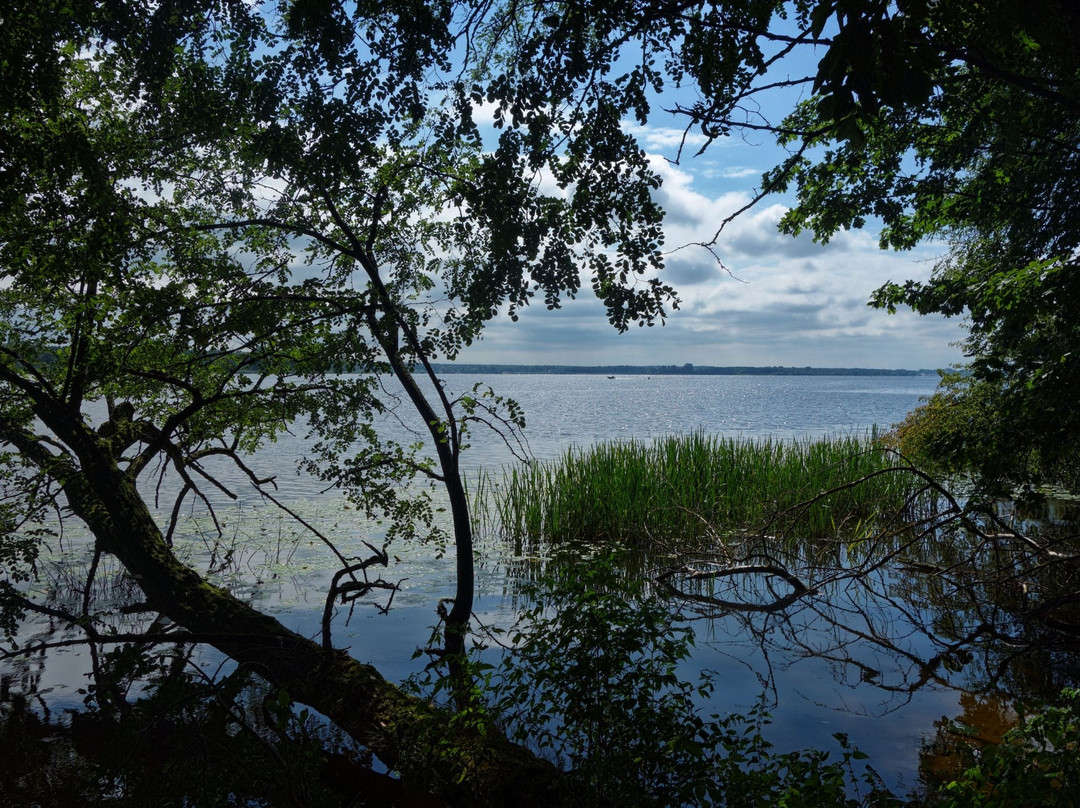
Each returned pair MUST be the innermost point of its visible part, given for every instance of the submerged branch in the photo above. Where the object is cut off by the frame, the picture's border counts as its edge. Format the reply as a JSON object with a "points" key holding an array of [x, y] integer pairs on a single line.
{"points": [[354, 589]]}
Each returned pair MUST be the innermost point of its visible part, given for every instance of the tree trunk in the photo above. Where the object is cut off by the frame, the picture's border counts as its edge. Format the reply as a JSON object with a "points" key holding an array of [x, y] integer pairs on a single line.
{"points": [[466, 762]]}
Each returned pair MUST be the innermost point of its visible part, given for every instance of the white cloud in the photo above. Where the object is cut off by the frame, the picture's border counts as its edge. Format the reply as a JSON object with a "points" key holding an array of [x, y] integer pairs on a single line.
{"points": [[785, 302], [666, 139], [738, 172]]}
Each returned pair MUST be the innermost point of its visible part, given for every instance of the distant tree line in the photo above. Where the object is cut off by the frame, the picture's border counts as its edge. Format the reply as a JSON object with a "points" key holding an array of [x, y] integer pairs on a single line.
{"points": [[676, 370]]}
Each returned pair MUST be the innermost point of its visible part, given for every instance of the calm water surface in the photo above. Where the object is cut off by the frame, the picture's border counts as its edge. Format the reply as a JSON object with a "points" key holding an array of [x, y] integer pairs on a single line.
{"points": [[818, 678], [582, 410]]}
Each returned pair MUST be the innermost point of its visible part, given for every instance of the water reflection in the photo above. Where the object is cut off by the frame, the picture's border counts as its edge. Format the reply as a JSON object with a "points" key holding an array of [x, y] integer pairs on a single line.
{"points": [[971, 614], [880, 637], [892, 642], [953, 620], [983, 720]]}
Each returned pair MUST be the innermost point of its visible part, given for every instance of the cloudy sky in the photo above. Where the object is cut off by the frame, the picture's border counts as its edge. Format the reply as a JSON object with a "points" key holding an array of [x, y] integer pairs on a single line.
{"points": [[782, 300]]}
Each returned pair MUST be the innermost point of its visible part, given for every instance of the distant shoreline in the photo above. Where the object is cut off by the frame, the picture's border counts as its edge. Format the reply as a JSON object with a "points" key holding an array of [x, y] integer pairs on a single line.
{"points": [[672, 370]]}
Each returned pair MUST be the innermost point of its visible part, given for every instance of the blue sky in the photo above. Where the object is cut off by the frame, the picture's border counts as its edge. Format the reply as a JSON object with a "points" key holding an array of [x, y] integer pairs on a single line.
{"points": [[782, 300]]}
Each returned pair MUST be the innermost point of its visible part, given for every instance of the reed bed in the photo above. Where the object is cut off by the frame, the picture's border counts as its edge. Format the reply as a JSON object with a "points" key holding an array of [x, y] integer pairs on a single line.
{"points": [[688, 488]]}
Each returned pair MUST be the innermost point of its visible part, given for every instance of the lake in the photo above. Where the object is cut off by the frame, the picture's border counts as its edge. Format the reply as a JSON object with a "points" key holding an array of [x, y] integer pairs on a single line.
{"points": [[870, 661], [580, 410]]}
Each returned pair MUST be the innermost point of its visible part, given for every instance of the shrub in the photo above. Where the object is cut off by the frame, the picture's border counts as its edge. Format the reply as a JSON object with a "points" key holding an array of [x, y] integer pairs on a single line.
{"points": [[593, 682]]}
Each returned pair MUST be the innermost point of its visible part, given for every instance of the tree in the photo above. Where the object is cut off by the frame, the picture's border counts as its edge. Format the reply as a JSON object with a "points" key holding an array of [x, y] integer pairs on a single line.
{"points": [[163, 166], [958, 123]]}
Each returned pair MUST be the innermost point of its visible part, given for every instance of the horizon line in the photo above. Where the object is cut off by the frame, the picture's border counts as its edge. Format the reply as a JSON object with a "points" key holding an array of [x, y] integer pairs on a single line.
{"points": [[687, 369]]}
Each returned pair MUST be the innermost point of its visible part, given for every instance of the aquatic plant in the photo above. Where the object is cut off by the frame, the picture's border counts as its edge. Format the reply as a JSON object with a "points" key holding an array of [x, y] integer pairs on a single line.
{"points": [[685, 488]]}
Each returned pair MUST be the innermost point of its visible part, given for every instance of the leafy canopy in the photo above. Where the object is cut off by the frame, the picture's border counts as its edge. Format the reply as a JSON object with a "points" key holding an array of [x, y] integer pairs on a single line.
{"points": [[972, 142]]}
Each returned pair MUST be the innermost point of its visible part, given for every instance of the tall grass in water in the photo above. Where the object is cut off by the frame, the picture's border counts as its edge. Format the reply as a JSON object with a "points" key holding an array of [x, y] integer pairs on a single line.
{"points": [[688, 487]]}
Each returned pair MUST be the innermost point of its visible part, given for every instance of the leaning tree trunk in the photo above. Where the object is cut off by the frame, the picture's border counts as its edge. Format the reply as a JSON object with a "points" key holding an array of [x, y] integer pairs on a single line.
{"points": [[465, 763]]}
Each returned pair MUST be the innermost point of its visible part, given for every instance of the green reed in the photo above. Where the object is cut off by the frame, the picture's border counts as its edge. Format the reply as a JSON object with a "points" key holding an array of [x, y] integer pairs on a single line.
{"points": [[687, 488]]}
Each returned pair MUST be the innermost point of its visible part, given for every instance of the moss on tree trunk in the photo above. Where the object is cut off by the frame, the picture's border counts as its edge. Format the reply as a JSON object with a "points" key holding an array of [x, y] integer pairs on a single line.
{"points": [[466, 762]]}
